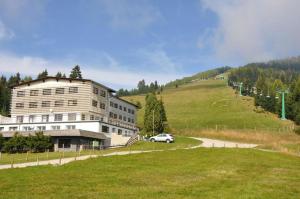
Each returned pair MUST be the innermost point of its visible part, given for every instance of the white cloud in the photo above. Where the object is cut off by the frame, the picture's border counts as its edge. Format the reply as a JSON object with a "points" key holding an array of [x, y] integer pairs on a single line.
{"points": [[107, 71], [254, 30], [126, 14], [5, 33]]}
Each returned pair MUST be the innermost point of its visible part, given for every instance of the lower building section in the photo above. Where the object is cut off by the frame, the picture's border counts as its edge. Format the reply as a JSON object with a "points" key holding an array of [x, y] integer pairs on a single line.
{"points": [[82, 135]]}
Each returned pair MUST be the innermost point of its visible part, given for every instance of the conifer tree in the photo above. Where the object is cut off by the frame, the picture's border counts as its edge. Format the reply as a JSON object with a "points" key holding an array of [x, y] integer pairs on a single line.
{"points": [[76, 73]]}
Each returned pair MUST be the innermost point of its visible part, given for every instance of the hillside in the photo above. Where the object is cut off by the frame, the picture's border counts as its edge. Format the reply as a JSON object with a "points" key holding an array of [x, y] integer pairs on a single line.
{"points": [[210, 108], [199, 76]]}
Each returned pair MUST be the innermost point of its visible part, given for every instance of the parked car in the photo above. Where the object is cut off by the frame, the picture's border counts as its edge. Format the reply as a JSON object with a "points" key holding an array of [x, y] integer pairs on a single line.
{"points": [[164, 137]]}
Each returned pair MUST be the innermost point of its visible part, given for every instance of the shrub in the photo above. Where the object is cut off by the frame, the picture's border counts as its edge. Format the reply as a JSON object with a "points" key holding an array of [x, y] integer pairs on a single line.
{"points": [[297, 130]]}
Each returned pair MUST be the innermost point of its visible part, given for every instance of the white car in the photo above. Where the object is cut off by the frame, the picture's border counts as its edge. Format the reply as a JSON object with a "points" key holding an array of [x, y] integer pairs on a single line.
{"points": [[162, 138]]}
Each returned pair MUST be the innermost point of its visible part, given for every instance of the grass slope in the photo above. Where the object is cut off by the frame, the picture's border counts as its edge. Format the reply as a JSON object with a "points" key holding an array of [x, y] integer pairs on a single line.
{"points": [[205, 104], [212, 109], [197, 173]]}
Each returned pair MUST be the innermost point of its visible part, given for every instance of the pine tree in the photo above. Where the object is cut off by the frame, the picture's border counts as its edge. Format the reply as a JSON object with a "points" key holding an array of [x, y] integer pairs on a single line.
{"points": [[58, 75], [76, 73], [43, 74]]}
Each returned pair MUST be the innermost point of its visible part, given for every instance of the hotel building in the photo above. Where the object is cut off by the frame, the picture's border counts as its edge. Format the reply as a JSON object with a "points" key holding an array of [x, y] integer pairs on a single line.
{"points": [[75, 112]]}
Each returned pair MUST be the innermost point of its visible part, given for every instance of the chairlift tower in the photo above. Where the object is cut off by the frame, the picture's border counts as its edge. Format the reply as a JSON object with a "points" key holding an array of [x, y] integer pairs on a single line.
{"points": [[283, 104]]}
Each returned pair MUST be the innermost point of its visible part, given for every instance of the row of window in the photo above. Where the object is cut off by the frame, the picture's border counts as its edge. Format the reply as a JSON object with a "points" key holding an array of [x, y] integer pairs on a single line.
{"points": [[115, 116], [115, 105], [96, 91], [95, 104], [57, 103], [45, 118], [47, 91]]}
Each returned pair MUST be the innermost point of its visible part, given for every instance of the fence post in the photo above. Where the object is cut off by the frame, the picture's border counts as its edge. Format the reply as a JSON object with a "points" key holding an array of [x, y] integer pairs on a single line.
{"points": [[60, 159], [47, 154], [27, 155], [37, 159]]}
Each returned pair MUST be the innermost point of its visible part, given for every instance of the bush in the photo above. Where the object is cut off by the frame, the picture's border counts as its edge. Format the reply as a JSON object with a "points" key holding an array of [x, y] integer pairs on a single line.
{"points": [[37, 143], [297, 130]]}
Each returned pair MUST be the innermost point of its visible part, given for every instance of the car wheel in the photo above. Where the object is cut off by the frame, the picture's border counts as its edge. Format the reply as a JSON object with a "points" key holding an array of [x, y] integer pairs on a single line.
{"points": [[152, 140], [168, 141]]}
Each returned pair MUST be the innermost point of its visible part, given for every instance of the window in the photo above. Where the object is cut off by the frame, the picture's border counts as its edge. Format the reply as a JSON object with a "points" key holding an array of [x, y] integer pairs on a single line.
{"points": [[19, 105], [124, 118], [132, 120], [41, 128], [13, 128], [116, 105], [120, 117], [105, 129], [1, 128], [31, 118], [59, 103], [28, 128], [59, 91], [58, 117], [46, 91], [115, 116], [102, 105], [32, 104], [45, 118], [125, 109], [69, 127], [72, 102], [111, 104], [119, 131], [34, 92], [20, 93], [120, 107], [83, 117], [95, 90], [20, 119], [113, 130], [128, 119], [103, 93], [92, 117], [132, 111], [111, 114], [71, 116], [55, 127], [97, 118], [45, 103], [94, 103], [129, 110], [73, 90], [64, 143]]}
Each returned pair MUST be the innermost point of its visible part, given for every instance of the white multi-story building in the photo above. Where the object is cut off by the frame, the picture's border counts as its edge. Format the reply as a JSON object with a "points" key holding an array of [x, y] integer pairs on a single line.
{"points": [[74, 112]]}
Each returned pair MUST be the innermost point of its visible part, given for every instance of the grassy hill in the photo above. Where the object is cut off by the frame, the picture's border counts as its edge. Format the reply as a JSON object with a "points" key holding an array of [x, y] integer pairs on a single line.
{"points": [[197, 173], [210, 108]]}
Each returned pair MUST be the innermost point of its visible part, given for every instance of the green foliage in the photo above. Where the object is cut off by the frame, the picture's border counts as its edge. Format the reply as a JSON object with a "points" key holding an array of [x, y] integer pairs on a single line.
{"points": [[142, 88], [1, 142], [43, 74], [154, 108], [37, 143], [76, 73]]}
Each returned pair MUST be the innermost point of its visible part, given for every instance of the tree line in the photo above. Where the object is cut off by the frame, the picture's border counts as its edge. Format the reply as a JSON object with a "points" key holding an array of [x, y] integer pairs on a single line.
{"points": [[142, 88], [265, 81], [7, 83], [19, 144]]}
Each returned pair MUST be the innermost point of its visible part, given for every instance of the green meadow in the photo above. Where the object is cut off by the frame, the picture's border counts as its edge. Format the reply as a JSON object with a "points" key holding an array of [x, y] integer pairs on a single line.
{"points": [[197, 173]]}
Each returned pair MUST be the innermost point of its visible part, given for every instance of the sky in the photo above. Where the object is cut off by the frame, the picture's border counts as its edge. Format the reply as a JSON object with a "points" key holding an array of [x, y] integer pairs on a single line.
{"points": [[119, 42]]}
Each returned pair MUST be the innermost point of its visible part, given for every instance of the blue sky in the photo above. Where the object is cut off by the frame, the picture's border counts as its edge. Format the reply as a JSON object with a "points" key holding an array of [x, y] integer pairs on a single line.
{"points": [[119, 42]]}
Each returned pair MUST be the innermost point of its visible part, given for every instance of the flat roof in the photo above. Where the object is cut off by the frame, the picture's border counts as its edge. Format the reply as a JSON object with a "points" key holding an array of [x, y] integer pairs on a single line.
{"points": [[62, 78], [59, 133]]}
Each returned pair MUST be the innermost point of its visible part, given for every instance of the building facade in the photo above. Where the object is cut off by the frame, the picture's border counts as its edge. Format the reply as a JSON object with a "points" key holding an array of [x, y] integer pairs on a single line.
{"points": [[58, 106]]}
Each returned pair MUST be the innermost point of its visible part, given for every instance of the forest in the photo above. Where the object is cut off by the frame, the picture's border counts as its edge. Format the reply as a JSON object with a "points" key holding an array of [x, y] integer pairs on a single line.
{"points": [[268, 81]]}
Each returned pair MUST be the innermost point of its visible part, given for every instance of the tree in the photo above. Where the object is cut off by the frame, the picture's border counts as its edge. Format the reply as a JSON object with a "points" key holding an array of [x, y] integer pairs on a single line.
{"points": [[1, 142], [58, 75], [154, 108], [76, 73], [26, 79], [43, 74], [15, 144], [39, 142]]}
